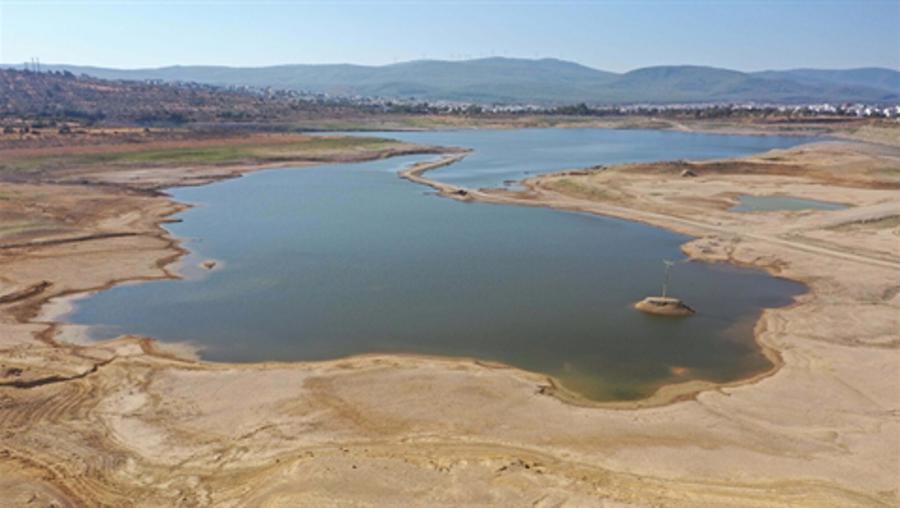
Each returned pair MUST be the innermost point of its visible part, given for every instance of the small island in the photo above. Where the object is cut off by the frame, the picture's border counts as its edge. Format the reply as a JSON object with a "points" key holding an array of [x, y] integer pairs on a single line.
{"points": [[664, 306]]}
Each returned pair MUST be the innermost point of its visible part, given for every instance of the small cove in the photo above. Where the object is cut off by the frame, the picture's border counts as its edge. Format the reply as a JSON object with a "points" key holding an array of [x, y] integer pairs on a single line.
{"points": [[337, 260]]}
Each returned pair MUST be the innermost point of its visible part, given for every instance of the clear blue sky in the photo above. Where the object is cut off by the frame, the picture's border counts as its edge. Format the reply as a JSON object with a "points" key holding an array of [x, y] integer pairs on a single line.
{"points": [[612, 35]]}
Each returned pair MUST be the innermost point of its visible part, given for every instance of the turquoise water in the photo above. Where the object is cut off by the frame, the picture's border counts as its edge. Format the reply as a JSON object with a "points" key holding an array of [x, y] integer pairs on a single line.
{"points": [[330, 261], [750, 203]]}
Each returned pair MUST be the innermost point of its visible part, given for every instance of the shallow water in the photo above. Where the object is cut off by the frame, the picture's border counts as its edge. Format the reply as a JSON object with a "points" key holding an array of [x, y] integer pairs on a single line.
{"points": [[750, 203], [511, 155], [330, 261]]}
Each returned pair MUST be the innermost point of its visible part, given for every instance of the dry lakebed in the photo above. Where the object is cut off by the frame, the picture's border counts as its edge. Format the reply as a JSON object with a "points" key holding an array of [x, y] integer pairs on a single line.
{"points": [[811, 418]]}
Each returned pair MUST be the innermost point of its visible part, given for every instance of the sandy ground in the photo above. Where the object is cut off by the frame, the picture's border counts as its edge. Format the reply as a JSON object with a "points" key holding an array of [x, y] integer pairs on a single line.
{"points": [[125, 423]]}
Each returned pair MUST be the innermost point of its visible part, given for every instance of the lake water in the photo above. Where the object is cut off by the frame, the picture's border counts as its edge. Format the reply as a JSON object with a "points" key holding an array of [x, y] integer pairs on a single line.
{"points": [[509, 155], [750, 203], [330, 261]]}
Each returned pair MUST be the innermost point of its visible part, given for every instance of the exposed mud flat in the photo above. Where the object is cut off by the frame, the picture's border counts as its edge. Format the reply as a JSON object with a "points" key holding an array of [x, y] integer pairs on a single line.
{"points": [[126, 423]]}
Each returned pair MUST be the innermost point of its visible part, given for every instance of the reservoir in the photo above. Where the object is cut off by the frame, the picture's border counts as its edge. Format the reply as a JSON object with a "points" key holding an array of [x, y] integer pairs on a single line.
{"points": [[336, 260]]}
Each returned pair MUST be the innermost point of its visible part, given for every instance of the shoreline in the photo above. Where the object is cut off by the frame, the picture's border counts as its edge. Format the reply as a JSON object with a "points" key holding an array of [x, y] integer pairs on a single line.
{"points": [[847, 129], [664, 394], [673, 476], [667, 393]]}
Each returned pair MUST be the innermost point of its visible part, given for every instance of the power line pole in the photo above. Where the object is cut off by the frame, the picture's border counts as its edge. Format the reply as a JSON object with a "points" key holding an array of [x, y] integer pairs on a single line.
{"points": [[665, 287]]}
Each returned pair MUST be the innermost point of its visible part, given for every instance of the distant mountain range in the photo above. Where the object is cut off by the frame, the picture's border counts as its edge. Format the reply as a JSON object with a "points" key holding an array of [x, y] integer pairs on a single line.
{"points": [[545, 81]]}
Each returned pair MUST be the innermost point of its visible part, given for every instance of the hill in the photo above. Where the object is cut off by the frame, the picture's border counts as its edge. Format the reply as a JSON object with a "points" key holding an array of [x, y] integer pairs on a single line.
{"points": [[545, 81], [63, 95], [871, 77]]}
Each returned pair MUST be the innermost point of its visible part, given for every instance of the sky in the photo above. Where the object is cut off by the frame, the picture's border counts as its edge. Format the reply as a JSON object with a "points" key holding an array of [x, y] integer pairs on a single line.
{"points": [[611, 35]]}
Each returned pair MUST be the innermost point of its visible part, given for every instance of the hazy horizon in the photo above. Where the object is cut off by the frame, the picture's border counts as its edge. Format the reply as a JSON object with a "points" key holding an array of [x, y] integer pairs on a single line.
{"points": [[614, 36], [287, 64]]}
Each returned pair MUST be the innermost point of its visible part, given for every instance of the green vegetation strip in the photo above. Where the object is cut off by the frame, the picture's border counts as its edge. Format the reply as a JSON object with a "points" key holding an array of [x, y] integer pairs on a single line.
{"points": [[572, 188]]}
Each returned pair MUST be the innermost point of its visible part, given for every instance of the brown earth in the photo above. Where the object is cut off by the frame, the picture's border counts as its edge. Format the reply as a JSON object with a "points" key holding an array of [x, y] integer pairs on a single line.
{"points": [[129, 423]]}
